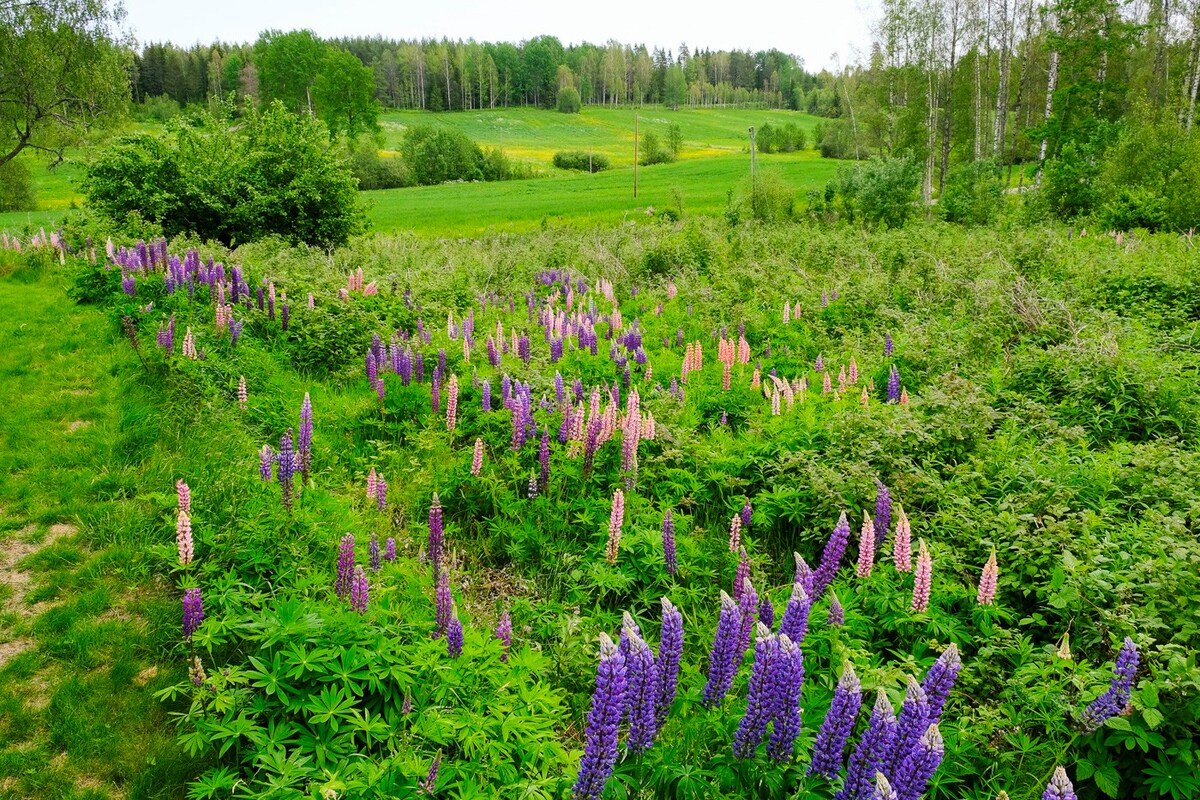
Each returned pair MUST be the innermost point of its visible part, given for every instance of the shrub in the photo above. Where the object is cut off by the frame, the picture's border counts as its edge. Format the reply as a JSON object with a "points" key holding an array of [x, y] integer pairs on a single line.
{"points": [[973, 194], [1151, 179], [16, 187], [882, 190], [768, 198], [271, 174], [835, 139], [1069, 181], [374, 171], [780, 139], [653, 151], [437, 155], [568, 100], [155, 109], [577, 159]]}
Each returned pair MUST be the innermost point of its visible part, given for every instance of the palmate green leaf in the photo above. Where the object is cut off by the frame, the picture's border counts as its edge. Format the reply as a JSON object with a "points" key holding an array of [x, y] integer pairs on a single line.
{"points": [[350, 667], [1173, 779], [330, 707], [214, 783], [268, 677]]}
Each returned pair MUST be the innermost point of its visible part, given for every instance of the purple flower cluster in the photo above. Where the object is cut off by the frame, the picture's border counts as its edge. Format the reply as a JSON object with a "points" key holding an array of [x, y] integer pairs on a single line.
{"points": [[831, 558], [670, 651], [668, 538], [724, 658], [373, 554], [193, 611], [872, 752], [358, 590], [1114, 699], [642, 698], [304, 438], [454, 634], [345, 566], [893, 385], [830, 748], [603, 723], [794, 624], [883, 514], [287, 468], [436, 536], [504, 634], [443, 602], [1060, 787]]}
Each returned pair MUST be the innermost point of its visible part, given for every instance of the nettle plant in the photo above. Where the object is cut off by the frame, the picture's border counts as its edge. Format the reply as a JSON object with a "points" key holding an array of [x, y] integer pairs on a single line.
{"points": [[565, 481]]}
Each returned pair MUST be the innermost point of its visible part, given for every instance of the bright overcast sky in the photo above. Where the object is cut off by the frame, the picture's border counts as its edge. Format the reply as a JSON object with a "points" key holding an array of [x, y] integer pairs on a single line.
{"points": [[813, 29]]}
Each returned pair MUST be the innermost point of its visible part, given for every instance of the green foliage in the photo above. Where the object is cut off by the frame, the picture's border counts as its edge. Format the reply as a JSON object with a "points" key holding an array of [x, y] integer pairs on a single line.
{"points": [[767, 198], [437, 155], [787, 138], [973, 194], [881, 191], [653, 151], [674, 139], [1151, 179], [16, 187], [272, 173], [288, 65], [579, 160], [567, 101], [344, 94], [675, 88], [375, 171], [835, 139], [160, 108]]}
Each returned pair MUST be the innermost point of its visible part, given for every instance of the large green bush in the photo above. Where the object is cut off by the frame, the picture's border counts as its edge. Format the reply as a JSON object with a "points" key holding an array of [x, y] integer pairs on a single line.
{"points": [[973, 194], [437, 155], [1151, 179], [579, 160], [270, 173], [568, 100], [881, 191], [16, 187]]}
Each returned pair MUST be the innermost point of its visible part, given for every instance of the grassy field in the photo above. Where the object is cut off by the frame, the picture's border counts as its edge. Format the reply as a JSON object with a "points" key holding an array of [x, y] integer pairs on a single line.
{"points": [[715, 159]]}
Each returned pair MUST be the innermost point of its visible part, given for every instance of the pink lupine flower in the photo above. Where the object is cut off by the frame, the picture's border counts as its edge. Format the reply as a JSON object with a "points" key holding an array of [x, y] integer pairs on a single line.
{"points": [[184, 495], [452, 403], [826, 384], [924, 579], [312, 303], [902, 544], [864, 400], [614, 526], [242, 397], [477, 460], [755, 378], [735, 533], [987, 582], [183, 537], [852, 377], [372, 485], [866, 547]]}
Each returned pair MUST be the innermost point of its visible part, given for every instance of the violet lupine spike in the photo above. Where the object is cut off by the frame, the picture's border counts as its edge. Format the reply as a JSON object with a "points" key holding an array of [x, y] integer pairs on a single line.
{"points": [[788, 685], [643, 685], [748, 608], [871, 753], [883, 514], [544, 460], [747, 514], [893, 385], [603, 724], [668, 538], [183, 538], [429, 784], [923, 579], [866, 548], [628, 623], [1060, 787], [911, 725], [794, 623], [266, 463], [753, 726], [381, 489], [443, 600], [287, 468], [918, 766], [437, 535], [345, 566], [888, 345], [358, 590], [940, 680], [375, 559], [504, 634], [193, 611], [986, 595], [454, 634], [804, 573], [837, 614], [389, 550], [722, 665], [742, 574], [831, 558], [830, 748], [670, 652], [1114, 699], [766, 612]]}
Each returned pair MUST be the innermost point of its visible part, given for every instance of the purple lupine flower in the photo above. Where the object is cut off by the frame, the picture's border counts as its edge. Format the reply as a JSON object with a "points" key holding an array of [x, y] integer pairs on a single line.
{"points": [[544, 459], [831, 558], [642, 696], [358, 590], [893, 386], [742, 574], [533, 484], [759, 704], [504, 634], [443, 600], [266, 462], [940, 680], [1060, 787], [1114, 699], [668, 538], [304, 437], [747, 513], [345, 566], [603, 723], [804, 573], [766, 612], [436, 535], [918, 767], [670, 651], [830, 748], [837, 614], [429, 784], [380, 493], [389, 550], [454, 634], [819, 364], [287, 468], [283, 317], [748, 607], [789, 683], [485, 394], [888, 345], [724, 658], [193, 611], [871, 753], [883, 514], [911, 726], [373, 553], [794, 624]]}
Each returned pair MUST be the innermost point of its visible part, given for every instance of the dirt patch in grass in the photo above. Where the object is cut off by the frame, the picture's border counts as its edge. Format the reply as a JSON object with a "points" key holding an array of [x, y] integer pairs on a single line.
{"points": [[19, 582], [77, 424]]}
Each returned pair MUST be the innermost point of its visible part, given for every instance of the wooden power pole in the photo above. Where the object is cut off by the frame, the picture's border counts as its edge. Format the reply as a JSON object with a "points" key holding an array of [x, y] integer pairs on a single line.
{"points": [[635, 154]]}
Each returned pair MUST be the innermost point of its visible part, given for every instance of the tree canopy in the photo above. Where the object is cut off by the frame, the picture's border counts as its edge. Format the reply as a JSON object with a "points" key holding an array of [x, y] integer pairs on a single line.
{"points": [[62, 72]]}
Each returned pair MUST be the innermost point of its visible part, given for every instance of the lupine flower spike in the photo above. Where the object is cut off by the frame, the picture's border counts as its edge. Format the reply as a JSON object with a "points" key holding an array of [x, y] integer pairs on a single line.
{"points": [[919, 765], [668, 537], [883, 789], [643, 694], [866, 547], [193, 611], [837, 614], [504, 634], [454, 634], [987, 582], [1060, 787], [831, 558], [345, 566], [241, 393], [735, 533], [830, 748], [1112, 701], [358, 590], [902, 543], [670, 651], [429, 784], [724, 657], [477, 459], [183, 538], [603, 723], [184, 496], [872, 751], [616, 519], [923, 580]]}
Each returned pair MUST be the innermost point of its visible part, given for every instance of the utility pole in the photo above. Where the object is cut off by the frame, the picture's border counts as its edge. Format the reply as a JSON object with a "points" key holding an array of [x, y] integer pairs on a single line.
{"points": [[753, 179], [635, 154]]}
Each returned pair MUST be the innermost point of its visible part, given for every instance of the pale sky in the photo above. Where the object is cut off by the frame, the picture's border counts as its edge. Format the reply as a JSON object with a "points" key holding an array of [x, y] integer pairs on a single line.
{"points": [[814, 30]]}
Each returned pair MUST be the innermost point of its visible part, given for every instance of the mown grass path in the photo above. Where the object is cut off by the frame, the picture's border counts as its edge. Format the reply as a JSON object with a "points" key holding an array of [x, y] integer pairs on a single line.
{"points": [[82, 632]]}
